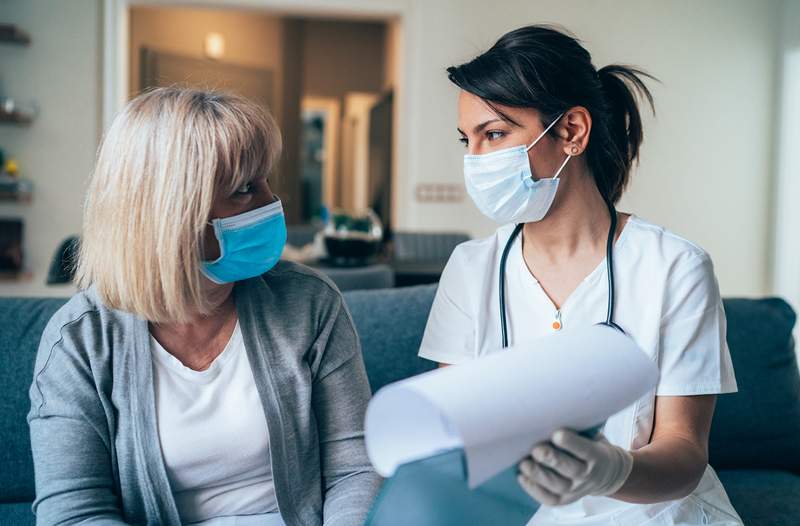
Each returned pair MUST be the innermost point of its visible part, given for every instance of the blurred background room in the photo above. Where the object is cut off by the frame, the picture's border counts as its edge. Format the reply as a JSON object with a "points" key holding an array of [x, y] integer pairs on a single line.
{"points": [[371, 176]]}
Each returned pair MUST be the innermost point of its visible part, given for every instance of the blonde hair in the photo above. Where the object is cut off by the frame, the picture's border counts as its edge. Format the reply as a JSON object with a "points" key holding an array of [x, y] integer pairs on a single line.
{"points": [[164, 158]]}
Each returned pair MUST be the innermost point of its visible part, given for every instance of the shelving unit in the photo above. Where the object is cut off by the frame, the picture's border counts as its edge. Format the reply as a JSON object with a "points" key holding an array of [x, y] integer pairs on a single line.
{"points": [[18, 191], [11, 34]]}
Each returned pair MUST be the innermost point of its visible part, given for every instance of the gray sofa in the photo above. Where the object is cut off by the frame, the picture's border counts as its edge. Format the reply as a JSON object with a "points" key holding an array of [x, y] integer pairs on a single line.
{"points": [[755, 442]]}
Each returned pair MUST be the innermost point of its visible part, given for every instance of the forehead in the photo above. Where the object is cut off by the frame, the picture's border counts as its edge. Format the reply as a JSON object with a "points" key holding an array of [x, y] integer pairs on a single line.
{"points": [[473, 111]]}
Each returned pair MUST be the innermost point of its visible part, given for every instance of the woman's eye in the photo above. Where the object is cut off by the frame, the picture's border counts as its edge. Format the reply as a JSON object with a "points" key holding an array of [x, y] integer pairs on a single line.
{"points": [[246, 188], [494, 135], [464, 141]]}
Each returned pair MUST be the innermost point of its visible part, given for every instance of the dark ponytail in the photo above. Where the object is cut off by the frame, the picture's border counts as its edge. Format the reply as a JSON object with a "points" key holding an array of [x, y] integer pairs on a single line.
{"points": [[621, 85], [544, 68]]}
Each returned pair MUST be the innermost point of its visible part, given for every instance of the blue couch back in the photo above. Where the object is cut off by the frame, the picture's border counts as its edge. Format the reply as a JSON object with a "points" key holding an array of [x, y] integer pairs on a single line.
{"points": [[756, 427]]}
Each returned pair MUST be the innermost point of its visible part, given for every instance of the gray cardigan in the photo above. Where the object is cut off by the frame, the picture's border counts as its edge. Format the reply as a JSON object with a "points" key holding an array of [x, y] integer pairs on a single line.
{"points": [[96, 451]]}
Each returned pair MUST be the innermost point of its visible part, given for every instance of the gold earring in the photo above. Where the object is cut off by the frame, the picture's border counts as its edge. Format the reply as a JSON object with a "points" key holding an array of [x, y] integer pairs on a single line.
{"points": [[574, 149]]}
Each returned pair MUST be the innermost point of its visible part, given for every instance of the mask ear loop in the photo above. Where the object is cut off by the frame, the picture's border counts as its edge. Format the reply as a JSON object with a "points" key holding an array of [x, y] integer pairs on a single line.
{"points": [[558, 172], [544, 132]]}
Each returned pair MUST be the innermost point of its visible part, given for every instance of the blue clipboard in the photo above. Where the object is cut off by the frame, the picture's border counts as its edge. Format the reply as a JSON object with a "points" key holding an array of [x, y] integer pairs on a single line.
{"points": [[433, 492]]}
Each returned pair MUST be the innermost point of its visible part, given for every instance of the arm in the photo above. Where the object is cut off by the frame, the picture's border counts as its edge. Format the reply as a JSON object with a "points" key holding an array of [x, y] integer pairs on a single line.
{"points": [[69, 439], [569, 466], [340, 396], [671, 465]]}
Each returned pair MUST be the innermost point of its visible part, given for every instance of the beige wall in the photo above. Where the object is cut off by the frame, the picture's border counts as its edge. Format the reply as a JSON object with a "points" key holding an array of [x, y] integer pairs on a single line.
{"points": [[706, 170]]}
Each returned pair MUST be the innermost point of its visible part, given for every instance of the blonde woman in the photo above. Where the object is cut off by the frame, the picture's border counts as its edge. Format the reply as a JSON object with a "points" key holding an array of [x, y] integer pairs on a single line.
{"points": [[196, 379]]}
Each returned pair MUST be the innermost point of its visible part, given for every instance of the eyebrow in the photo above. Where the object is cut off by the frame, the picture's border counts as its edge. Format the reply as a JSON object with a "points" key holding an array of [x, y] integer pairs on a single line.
{"points": [[481, 126]]}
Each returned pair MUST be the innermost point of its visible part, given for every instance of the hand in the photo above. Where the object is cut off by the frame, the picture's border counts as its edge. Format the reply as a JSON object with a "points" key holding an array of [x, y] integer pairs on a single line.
{"points": [[570, 467]]}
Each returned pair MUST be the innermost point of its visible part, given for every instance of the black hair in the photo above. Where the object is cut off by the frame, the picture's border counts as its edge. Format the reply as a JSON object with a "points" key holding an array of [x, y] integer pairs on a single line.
{"points": [[545, 68]]}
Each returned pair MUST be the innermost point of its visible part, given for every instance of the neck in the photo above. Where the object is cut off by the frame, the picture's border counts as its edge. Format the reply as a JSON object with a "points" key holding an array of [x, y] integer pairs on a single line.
{"points": [[223, 308], [578, 223]]}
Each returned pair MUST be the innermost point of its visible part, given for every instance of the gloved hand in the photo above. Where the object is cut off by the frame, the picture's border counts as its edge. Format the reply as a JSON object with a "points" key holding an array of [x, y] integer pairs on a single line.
{"points": [[569, 467]]}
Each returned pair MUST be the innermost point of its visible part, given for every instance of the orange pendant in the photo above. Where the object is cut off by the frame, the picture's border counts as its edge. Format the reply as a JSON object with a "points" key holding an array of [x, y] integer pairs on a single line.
{"points": [[557, 322]]}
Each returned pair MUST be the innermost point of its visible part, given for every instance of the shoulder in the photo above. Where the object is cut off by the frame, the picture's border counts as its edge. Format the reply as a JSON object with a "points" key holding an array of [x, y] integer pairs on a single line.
{"points": [[81, 319], [481, 252], [74, 352], [684, 270], [657, 245], [472, 268], [292, 295], [288, 277]]}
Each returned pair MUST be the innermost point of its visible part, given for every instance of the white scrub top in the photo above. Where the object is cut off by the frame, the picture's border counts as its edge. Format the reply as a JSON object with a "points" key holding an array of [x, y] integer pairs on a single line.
{"points": [[667, 300]]}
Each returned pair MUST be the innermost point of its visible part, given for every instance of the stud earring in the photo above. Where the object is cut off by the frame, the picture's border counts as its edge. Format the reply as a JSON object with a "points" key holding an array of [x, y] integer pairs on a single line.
{"points": [[574, 150]]}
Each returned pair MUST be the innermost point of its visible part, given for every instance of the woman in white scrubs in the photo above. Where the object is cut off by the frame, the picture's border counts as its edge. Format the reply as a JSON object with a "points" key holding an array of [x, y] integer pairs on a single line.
{"points": [[550, 144]]}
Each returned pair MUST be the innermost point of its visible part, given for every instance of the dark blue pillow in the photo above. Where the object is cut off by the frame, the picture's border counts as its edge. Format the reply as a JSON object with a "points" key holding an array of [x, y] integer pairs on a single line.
{"points": [[759, 427]]}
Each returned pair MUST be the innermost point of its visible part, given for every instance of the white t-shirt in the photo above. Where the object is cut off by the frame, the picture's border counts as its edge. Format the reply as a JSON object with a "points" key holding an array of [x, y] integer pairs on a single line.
{"points": [[214, 440], [667, 300]]}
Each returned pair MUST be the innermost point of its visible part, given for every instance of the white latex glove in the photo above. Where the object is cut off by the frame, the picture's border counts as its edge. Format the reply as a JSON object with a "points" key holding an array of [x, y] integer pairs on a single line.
{"points": [[570, 466]]}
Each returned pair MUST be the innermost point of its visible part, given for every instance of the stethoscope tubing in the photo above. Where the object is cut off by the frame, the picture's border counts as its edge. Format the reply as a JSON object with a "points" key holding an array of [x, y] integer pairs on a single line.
{"points": [[609, 271]]}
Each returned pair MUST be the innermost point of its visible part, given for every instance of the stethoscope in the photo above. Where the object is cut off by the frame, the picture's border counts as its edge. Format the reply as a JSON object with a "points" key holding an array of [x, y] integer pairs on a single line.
{"points": [[609, 270]]}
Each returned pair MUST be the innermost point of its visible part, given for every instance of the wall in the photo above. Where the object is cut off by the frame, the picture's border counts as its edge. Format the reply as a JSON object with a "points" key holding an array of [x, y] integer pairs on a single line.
{"points": [[252, 38], [786, 277], [339, 57], [706, 163], [706, 169], [60, 72]]}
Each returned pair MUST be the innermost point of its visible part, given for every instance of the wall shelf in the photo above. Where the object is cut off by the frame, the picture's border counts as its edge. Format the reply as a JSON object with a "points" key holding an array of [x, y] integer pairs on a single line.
{"points": [[7, 276], [11, 34], [15, 117], [8, 197], [15, 190]]}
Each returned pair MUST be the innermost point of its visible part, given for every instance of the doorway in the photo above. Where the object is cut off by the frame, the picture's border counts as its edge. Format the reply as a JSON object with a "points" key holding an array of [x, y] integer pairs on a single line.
{"points": [[329, 82]]}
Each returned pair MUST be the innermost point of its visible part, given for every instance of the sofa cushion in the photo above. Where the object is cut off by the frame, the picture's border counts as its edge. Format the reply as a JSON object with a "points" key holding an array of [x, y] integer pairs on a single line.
{"points": [[390, 324], [23, 321], [763, 498], [17, 514], [759, 427]]}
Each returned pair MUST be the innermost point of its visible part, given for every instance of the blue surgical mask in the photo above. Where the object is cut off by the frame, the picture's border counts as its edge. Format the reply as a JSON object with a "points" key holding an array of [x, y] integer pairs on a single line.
{"points": [[250, 244], [502, 186]]}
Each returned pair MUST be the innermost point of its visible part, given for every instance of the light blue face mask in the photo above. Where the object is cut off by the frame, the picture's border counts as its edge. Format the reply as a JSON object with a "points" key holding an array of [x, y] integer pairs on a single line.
{"points": [[502, 186], [250, 244]]}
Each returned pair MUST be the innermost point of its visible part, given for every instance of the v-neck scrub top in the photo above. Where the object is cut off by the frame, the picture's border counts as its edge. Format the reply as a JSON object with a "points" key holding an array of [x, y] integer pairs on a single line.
{"points": [[667, 300]]}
